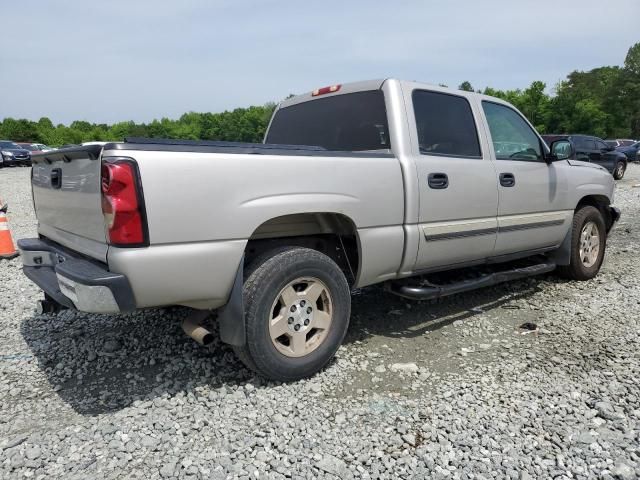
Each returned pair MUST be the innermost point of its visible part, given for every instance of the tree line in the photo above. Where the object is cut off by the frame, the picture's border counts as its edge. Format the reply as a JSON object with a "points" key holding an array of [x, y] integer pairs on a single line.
{"points": [[604, 102]]}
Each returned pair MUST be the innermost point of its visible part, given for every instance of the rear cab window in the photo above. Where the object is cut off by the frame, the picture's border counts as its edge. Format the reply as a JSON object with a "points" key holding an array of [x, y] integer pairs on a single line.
{"points": [[512, 137], [347, 122], [445, 125]]}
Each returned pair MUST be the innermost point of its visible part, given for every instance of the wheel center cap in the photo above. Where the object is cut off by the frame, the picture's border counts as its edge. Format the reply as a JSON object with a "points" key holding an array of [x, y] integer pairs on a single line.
{"points": [[300, 317]]}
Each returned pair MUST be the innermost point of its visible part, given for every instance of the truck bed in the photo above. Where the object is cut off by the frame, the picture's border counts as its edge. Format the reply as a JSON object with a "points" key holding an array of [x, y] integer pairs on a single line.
{"points": [[203, 201]]}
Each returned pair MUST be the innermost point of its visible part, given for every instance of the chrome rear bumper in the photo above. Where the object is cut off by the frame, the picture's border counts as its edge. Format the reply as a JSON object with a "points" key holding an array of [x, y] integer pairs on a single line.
{"points": [[75, 281]]}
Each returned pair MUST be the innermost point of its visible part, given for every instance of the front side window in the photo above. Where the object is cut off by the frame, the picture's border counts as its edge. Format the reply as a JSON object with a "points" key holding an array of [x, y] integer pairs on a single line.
{"points": [[348, 122], [445, 125], [513, 138], [600, 145]]}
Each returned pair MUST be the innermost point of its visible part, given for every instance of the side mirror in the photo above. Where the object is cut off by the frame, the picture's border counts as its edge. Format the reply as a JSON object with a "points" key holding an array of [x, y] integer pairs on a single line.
{"points": [[561, 149], [610, 148]]}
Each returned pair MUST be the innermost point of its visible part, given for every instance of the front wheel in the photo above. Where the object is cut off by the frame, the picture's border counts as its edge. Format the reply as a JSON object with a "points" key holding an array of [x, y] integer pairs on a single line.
{"points": [[588, 243], [621, 168], [297, 308]]}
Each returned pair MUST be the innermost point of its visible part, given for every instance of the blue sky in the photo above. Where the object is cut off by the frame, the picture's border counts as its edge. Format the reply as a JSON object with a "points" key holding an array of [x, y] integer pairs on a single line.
{"points": [[119, 60]]}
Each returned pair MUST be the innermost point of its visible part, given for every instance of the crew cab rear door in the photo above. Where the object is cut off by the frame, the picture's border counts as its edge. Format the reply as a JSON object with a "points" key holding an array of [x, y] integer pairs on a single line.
{"points": [[457, 189], [67, 199]]}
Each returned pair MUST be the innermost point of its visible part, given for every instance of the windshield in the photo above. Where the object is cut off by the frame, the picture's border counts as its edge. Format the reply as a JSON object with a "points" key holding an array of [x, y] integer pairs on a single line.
{"points": [[31, 148], [9, 145], [349, 122]]}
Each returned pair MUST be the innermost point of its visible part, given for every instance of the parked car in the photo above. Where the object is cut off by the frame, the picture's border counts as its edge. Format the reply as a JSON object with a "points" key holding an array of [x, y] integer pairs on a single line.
{"points": [[12, 154], [620, 142], [35, 147], [378, 181], [631, 151], [594, 150]]}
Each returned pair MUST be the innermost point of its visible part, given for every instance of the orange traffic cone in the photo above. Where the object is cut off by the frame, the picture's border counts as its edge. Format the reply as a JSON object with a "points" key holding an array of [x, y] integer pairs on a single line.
{"points": [[7, 250]]}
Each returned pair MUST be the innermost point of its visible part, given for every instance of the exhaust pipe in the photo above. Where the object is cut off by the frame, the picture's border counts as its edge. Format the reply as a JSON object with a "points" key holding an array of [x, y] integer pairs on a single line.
{"points": [[191, 326]]}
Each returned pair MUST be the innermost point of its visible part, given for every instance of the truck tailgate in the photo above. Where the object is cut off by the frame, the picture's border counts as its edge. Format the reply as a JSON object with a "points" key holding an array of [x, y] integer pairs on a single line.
{"points": [[67, 199]]}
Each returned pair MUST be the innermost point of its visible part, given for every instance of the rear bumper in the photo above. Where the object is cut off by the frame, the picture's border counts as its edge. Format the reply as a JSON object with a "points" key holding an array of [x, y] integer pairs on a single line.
{"points": [[74, 281]]}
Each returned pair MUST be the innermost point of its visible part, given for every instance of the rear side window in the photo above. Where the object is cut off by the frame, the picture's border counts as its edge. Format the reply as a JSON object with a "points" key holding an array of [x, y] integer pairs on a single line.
{"points": [[585, 143], [349, 122], [445, 125], [513, 138]]}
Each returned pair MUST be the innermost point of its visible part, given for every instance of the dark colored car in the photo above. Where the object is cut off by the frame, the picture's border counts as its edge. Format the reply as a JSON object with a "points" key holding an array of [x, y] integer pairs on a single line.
{"points": [[12, 154], [593, 149], [631, 151]]}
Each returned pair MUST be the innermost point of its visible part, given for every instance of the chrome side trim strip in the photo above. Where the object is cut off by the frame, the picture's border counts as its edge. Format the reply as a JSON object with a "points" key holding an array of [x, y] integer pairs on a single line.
{"points": [[488, 226], [526, 226], [510, 220], [452, 235], [459, 228]]}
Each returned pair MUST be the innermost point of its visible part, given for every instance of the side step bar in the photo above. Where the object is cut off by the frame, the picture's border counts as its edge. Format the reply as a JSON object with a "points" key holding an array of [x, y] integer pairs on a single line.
{"points": [[428, 292]]}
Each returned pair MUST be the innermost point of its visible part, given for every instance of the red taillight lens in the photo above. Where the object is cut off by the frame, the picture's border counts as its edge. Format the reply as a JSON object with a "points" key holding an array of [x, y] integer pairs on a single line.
{"points": [[325, 90], [122, 204]]}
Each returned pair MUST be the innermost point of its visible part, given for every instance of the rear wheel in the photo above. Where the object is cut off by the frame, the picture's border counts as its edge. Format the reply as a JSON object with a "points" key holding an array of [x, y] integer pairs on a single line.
{"points": [[588, 243], [621, 168], [297, 308]]}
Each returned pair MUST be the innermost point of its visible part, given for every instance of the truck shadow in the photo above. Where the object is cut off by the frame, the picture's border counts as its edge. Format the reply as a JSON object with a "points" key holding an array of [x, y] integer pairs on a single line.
{"points": [[103, 363], [378, 313]]}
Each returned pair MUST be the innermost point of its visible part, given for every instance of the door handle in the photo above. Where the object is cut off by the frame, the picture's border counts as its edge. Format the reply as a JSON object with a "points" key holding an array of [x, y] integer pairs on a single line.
{"points": [[438, 181], [507, 179], [56, 178]]}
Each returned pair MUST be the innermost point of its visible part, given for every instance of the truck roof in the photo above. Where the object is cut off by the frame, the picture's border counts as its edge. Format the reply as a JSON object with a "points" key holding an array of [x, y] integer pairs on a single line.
{"points": [[376, 84]]}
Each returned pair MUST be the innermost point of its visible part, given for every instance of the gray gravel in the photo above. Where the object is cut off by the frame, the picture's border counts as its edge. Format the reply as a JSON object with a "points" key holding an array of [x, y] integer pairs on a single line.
{"points": [[443, 389]]}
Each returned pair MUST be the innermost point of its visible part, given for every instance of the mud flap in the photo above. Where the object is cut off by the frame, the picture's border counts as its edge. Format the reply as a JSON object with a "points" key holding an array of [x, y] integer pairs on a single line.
{"points": [[231, 315], [562, 255]]}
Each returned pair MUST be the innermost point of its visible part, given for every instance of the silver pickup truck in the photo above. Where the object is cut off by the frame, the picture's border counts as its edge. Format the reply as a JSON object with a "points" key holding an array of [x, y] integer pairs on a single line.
{"points": [[430, 190]]}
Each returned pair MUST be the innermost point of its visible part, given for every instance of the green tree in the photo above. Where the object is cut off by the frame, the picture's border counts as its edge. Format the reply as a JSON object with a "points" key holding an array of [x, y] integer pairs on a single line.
{"points": [[20, 130], [629, 88]]}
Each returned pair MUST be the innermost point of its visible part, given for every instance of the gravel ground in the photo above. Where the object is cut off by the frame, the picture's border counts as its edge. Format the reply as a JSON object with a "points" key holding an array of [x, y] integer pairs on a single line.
{"points": [[443, 389]]}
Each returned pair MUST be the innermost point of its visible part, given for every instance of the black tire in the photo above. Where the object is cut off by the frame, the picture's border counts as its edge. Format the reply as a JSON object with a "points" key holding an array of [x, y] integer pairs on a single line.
{"points": [[577, 270], [265, 279], [619, 171]]}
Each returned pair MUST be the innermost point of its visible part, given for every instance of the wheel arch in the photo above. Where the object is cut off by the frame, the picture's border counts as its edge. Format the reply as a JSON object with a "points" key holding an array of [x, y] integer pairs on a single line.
{"points": [[562, 256], [602, 203], [332, 233]]}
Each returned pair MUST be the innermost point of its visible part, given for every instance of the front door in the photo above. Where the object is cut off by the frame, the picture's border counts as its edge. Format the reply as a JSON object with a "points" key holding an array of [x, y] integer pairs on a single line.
{"points": [[608, 158], [457, 181], [533, 213]]}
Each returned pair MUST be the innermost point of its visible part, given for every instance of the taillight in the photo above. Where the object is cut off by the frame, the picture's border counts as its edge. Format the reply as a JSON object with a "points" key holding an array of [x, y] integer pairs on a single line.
{"points": [[122, 204]]}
